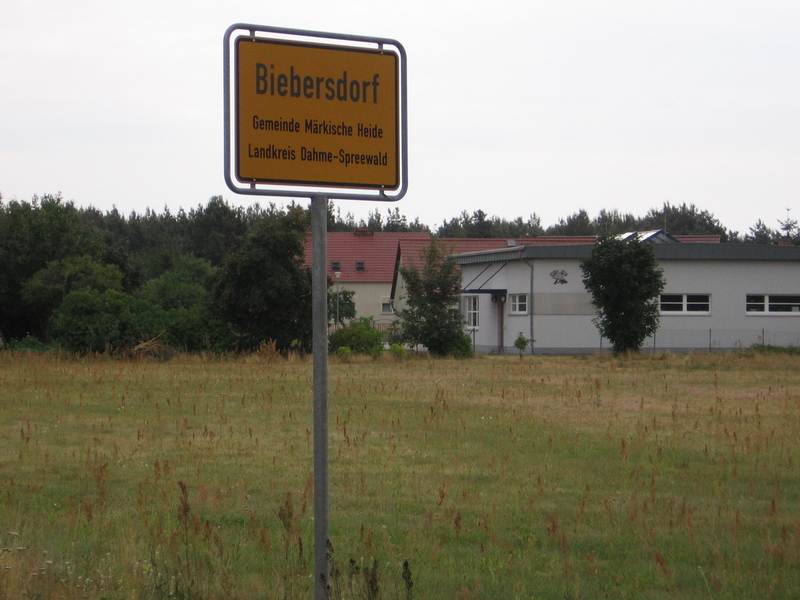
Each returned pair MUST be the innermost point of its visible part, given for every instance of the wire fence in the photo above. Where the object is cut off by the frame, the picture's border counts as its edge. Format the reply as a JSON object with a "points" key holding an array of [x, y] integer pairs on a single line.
{"points": [[677, 340], [721, 339]]}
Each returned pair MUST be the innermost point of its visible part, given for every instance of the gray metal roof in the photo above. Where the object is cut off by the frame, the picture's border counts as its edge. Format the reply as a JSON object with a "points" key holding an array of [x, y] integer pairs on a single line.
{"points": [[726, 252], [746, 252]]}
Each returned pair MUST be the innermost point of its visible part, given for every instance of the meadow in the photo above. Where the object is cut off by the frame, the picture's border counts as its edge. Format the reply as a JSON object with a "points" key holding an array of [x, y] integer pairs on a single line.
{"points": [[647, 477]]}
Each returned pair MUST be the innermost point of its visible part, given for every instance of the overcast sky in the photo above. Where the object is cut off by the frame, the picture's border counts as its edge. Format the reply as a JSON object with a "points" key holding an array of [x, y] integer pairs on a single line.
{"points": [[515, 108]]}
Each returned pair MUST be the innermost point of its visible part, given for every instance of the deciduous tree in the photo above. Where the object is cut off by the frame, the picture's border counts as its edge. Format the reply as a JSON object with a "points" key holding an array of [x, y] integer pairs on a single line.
{"points": [[431, 315], [625, 281], [341, 306], [264, 289], [45, 291], [33, 234]]}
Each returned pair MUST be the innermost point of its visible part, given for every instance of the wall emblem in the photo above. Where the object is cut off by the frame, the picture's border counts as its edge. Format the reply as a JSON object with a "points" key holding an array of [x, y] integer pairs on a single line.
{"points": [[559, 276]]}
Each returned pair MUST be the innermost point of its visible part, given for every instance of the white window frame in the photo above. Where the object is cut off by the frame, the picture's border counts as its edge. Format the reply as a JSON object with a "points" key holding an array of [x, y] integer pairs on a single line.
{"points": [[773, 305], [515, 301], [685, 304], [387, 306], [472, 311]]}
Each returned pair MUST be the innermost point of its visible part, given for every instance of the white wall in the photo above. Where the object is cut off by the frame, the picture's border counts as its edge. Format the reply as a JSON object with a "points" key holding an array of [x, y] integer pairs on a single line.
{"points": [[368, 298], [562, 313], [729, 282]]}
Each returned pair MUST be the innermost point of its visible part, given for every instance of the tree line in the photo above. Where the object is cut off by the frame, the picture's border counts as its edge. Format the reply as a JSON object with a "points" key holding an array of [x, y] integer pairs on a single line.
{"points": [[680, 219], [219, 277], [214, 278]]}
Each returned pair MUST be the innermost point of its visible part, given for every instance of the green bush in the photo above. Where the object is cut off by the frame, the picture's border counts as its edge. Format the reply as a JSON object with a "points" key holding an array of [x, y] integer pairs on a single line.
{"points": [[29, 344], [88, 320], [768, 349], [344, 353], [195, 329], [397, 351], [463, 347], [185, 285], [361, 337], [522, 343]]}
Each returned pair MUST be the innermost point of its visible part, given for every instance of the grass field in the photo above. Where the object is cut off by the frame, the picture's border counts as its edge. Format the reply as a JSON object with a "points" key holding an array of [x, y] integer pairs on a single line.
{"points": [[493, 478]]}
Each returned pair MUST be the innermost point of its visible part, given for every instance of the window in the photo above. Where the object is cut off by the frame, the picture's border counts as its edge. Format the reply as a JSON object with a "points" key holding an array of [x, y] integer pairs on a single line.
{"points": [[387, 306], [471, 313], [519, 304], [756, 303], [685, 303], [336, 266], [361, 266], [773, 303]]}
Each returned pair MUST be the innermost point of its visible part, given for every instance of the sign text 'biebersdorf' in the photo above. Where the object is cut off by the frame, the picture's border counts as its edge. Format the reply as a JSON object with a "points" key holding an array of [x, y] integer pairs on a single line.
{"points": [[316, 114]]}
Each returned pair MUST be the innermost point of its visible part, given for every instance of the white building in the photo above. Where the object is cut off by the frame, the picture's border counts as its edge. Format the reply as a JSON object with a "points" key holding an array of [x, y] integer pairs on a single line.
{"points": [[717, 296]]}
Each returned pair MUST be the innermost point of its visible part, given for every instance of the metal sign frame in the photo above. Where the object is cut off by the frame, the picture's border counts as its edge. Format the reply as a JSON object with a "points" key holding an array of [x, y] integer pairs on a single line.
{"points": [[311, 40]]}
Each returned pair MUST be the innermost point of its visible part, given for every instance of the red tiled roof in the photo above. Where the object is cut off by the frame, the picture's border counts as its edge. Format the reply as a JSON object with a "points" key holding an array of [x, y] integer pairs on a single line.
{"points": [[698, 239], [377, 252], [411, 250], [552, 240], [462, 245]]}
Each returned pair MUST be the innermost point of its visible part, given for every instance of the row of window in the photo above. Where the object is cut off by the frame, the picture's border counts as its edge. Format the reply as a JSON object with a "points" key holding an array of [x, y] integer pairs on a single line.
{"points": [[773, 303], [754, 303], [669, 304], [336, 266]]}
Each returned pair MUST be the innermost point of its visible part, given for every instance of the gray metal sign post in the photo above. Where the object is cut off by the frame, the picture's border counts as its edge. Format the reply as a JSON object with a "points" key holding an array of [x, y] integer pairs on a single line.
{"points": [[319, 308], [280, 90]]}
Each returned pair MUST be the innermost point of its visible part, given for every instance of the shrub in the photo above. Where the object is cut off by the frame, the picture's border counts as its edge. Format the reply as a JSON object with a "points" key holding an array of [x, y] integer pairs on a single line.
{"points": [[29, 344], [195, 329], [344, 353], [522, 343], [360, 336], [397, 351], [462, 347], [88, 320], [768, 349]]}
